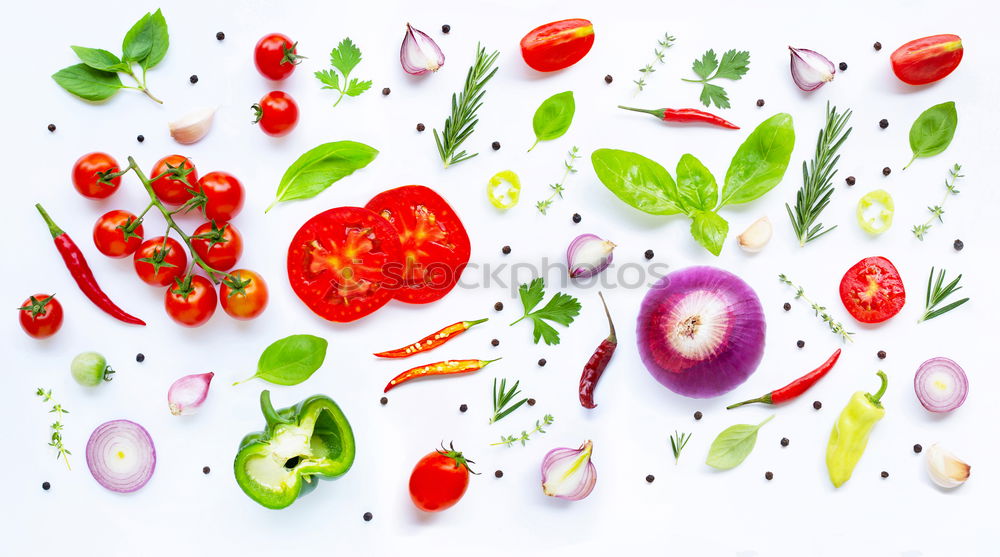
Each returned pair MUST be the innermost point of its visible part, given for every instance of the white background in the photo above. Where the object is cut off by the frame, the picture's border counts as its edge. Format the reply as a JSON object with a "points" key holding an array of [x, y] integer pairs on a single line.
{"points": [[690, 508]]}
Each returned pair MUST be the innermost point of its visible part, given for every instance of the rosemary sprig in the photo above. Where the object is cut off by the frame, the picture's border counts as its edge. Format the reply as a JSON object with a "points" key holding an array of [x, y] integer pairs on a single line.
{"points": [[502, 398], [920, 230], [525, 436], [662, 45], [820, 311], [462, 121], [677, 442], [559, 187], [56, 427], [817, 178], [937, 291]]}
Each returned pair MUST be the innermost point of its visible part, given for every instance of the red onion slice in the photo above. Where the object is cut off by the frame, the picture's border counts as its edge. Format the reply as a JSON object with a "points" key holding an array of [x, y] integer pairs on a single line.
{"points": [[700, 331], [121, 455], [941, 385]]}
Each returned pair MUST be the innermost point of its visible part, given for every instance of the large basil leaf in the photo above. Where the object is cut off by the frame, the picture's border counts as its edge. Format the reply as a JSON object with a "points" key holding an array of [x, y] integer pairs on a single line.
{"points": [[733, 445], [696, 184], [99, 59], [933, 131], [553, 117], [320, 167], [159, 40], [138, 41], [291, 360], [638, 181], [710, 230], [88, 83], [761, 161]]}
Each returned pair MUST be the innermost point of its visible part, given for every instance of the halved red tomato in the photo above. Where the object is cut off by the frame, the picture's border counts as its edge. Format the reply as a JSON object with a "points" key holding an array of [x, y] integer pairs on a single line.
{"points": [[872, 290], [435, 244], [338, 261]]}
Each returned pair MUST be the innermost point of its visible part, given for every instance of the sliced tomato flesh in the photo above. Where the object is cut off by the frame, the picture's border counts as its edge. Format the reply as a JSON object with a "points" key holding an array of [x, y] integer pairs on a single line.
{"points": [[872, 290]]}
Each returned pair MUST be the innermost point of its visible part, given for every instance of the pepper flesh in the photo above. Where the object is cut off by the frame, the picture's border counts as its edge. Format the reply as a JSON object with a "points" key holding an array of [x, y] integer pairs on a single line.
{"points": [[850, 433], [504, 197], [594, 369], [684, 115], [300, 445], [447, 367], [431, 341], [795, 388], [881, 222]]}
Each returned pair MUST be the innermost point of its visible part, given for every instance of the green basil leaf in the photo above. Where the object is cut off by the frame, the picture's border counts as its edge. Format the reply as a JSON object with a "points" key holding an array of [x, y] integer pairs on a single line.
{"points": [[638, 181], [733, 445], [320, 167], [760, 162], [88, 83], [696, 184], [291, 360], [553, 117], [710, 230], [933, 131], [99, 59], [159, 40], [138, 41]]}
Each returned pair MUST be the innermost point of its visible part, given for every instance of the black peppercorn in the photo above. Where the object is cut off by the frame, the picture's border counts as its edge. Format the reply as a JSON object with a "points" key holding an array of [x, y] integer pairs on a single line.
{"points": [[140, 138], [495, 342], [885, 474], [877, 45], [843, 66], [698, 415], [531, 402], [446, 28], [959, 244], [787, 307], [881, 354], [206, 470], [649, 478], [52, 127], [46, 486], [421, 127], [817, 404], [498, 306], [498, 473], [463, 408], [383, 401], [220, 36], [768, 476], [577, 218], [193, 79], [367, 516], [917, 448], [648, 254], [886, 171], [386, 91], [542, 362], [505, 250], [760, 102], [784, 441], [496, 145], [140, 357], [883, 123], [800, 343], [608, 78], [851, 180]]}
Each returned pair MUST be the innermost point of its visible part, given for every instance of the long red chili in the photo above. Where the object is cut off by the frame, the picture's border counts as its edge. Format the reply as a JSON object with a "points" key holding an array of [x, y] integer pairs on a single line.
{"points": [[447, 367], [81, 272], [795, 388], [598, 361], [684, 115], [432, 340]]}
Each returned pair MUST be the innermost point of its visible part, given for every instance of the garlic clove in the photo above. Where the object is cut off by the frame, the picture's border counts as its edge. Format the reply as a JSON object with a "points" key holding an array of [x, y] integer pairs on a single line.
{"points": [[193, 126], [945, 469], [419, 53], [588, 255], [188, 393], [810, 69], [756, 236]]}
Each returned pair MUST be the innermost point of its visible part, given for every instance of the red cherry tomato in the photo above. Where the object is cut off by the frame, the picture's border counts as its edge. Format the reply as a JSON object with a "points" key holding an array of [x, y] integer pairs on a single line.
{"points": [[110, 235], [439, 480], [192, 304], [219, 246], [276, 113], [244, 296], [928, 59], [40, 315], [275, 56], [159, 265], [86, 175], [435, 245], [337, 263], [172, 189], [223, 196], [557, 45], [872, 290]]}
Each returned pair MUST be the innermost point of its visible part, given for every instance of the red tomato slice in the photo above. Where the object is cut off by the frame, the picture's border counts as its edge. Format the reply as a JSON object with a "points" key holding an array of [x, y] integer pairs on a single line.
{"points": [[337, 263], [872, 290], [435, 244]]}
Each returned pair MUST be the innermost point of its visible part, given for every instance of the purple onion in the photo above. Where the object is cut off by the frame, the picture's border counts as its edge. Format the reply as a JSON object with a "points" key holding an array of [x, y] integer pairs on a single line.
{"points": [[188, 393], [419, 53], [941, 385], [588, 255], [810, 69], [569, 473], [700, 331], [121, 455]]}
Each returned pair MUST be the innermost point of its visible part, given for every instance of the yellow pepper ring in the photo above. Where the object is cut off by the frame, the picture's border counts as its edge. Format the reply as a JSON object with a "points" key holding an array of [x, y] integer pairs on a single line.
{"points": [[883, 220], [504, 189]]}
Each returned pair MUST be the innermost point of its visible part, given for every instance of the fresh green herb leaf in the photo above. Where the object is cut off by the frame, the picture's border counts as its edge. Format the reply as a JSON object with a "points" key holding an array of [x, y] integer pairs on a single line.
{"points": [[677, 443], [357, 87], [464, 108], [705, 65], [525, 436], [100, 59], [638, 181], [937, 291], [933, 131], [561, 308], [88, 83], [138, 41], [159, 41], [709, 230], [760, 162], [696, 184], [659, 52], [291, 360], [344, 58], [713, 94], [502, 399], [734, 445], [553, 117], [560, 186], [733, 66], [320, 167], [56, 440], [819, 310], [920, 230]]}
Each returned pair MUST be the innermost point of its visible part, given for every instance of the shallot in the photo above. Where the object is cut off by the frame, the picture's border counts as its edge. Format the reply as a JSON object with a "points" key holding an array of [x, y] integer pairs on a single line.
{"points": [[419, 53], [569, 473], [810, 69], [188, 393], [588, 255]]}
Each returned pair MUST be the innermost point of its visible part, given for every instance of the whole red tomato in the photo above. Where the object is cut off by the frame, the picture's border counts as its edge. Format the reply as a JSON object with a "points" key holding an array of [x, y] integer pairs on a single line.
{"points": [[243, 295], [557, 45], [220, 247], [172, 188], [927, 60], [439, 479], [89, 175], [223, 196], [276, 113], [191, 302], [41, 315], [872, 290], [112, 238], [275, 56], [158, 263]]}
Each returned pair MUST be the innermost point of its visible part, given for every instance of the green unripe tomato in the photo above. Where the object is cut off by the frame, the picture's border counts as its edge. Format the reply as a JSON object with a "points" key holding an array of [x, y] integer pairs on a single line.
{"points": [[90, 368]]}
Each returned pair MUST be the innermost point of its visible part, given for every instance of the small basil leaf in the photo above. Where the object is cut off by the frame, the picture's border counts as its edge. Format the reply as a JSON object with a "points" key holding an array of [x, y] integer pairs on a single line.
{"points": [[710, 230], [553, 117], [638, 181], [138, 41], [99, 59], [760, 162], [733, 445], [320, 167], [159, 40], [933, 131], [696, 184], [291, 360], [88, 83]]}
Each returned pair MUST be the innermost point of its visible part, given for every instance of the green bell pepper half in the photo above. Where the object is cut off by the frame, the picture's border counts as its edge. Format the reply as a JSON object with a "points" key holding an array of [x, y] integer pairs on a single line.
{"points": [[849, 437], [300, 445]]}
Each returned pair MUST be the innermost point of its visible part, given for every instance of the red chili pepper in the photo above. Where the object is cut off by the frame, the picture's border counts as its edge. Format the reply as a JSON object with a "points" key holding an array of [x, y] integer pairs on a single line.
{"points": [[685, 115], [598, 361], [447, 367], [431, 341], [81, 272], [795, 388]]}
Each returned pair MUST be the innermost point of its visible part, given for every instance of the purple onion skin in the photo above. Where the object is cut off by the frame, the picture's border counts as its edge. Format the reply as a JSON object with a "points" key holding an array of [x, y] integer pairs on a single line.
{"points": [[95, 463], [584, 272], [733, 360], [926, 399]]}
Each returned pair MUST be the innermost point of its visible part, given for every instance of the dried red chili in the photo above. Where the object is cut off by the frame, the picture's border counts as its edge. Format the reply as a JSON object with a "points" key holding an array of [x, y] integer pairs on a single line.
{"points": [[598, 361]]}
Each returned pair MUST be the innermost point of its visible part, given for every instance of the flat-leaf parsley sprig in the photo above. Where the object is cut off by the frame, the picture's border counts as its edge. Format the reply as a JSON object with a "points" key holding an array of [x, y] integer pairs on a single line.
{"points": [[561, 308], [920, 230], [344, 58], [660, 51], [559, 187], [525, 436], [464, 106], [734, 65], [57, 426], [820, 311], [937, 291]]}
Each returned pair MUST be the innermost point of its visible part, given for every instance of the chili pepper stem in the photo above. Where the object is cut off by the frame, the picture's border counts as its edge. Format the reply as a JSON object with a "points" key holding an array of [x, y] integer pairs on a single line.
{"points": [[655, 112], [53, 228], [612, 338], [766, 399], [471, 324]]}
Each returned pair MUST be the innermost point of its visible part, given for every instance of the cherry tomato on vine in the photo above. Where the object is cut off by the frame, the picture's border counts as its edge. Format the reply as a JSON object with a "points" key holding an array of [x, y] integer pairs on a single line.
{"points": [[191, 302], [223, 196], [276, 113], [275, 56], [89, 175], [158, 264], [219, 246], [244, 295], [111, 237], [872, 290], [439, 479], [172, 189], [41, 315]]}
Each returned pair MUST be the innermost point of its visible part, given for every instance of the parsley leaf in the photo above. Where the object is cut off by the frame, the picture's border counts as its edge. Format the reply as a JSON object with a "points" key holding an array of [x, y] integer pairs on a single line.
{"points": [[706, 65], [561, 308], [344, 58], [734, 65], [357, 87], [329, 78], [713, 94]]}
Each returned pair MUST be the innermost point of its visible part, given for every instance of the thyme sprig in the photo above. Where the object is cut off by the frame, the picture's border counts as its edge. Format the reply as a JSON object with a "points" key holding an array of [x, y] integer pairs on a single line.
{"points": [[559, 187], [57, 426], [920, 230], [659, 52], [525, 436], [820, 311], [937, 291], [502, 398], [677, 443], [464, 106]]}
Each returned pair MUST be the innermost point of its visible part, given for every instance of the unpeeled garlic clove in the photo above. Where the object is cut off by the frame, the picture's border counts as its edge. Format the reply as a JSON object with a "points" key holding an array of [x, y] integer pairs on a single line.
{"points": [[756, 236], [193, 126], [946, 469]]}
